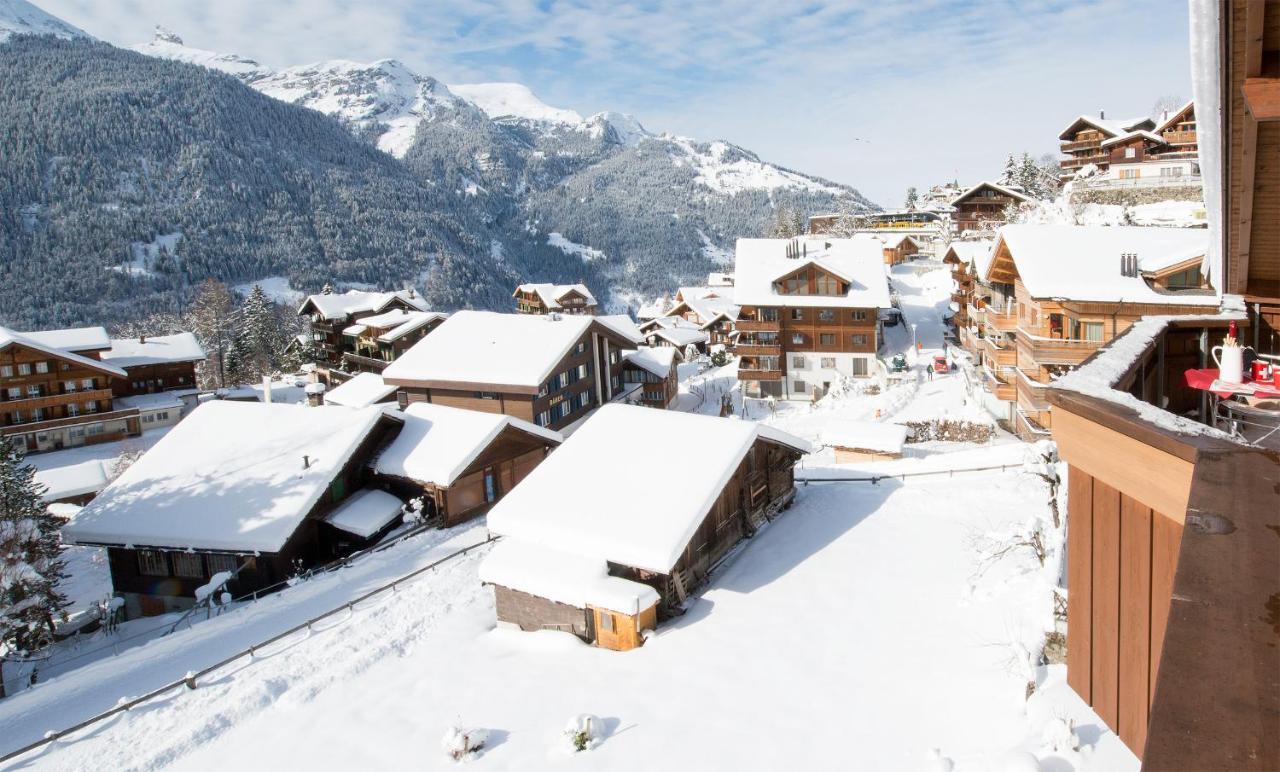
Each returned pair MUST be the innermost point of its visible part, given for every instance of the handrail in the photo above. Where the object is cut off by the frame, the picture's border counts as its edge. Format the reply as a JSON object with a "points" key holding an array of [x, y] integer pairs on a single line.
{"points": [[189, 680], [875, 479]]}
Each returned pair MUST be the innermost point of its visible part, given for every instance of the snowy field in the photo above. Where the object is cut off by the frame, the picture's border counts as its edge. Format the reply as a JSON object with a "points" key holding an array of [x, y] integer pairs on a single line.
{"points": [[855, 632]]}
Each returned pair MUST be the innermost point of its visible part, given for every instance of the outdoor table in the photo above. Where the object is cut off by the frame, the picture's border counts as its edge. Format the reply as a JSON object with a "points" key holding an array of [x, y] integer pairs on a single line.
{"points": [[1207, 380]]}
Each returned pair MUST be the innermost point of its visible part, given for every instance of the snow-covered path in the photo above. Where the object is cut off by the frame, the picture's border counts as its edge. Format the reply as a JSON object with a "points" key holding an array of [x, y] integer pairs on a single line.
{"points": [[847, 635], [65, 700]]}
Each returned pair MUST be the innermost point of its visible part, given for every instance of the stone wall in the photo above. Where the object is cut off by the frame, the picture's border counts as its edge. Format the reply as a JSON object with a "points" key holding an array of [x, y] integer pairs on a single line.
{"points": [[1135, 196]]}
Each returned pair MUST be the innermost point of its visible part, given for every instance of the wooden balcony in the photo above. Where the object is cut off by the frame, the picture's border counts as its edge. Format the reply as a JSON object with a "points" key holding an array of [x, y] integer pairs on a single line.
{"points": [[81, 420], [53, 400], [1003, 322], [959, 298], [759, 375], [757, 349], [1071, 147], [1180, 137], [1006, 356], [1056, 351], [998, 384], [1032, 394], [372, 363], [755, 325]]}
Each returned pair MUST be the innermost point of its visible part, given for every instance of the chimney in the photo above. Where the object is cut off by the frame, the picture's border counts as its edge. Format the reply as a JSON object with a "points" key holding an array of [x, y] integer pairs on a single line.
{"points": [[306, 462], [1102, 114], [266, 389]]}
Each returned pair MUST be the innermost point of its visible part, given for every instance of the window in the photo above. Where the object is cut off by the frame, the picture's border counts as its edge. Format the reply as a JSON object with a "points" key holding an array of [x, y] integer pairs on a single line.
{"points": [[826, 315], [829, 363], [91, 407], [490, 486], [16, 416], [859, 316], [797, 314], [858, 340], [544, 389], [24, 368], [152, 563], [218, 563], [544, 418], [33, 390], [584, 370], [87, 384], [163, 415], [1130, 152], [69, 387], [15, 392], [615, 356], [606, 621], [581, 347], [486, 395], [148, 418], [187, 565], [42, 367], [859, 366], [1171, 171], [828, 285], [94, 429], [6, 371], [801, 387], [797, 362], [827, 338], [37, 414], [1128, 174], [1091, 331], [73, 410]]}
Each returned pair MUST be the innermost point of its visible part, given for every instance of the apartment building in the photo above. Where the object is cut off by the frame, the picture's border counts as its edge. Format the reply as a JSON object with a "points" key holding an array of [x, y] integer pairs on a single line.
{"points": [[555, 299], [1136, 152], [331, 314]]}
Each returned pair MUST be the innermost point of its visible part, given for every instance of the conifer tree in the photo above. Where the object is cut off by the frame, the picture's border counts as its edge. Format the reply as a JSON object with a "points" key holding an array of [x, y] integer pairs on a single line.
{"points": [[1010, 174], [30, 559], [912, 197]]}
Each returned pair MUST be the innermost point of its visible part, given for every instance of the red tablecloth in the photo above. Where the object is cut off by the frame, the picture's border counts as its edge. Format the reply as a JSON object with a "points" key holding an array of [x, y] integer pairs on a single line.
{"points": [[1204, 379]]}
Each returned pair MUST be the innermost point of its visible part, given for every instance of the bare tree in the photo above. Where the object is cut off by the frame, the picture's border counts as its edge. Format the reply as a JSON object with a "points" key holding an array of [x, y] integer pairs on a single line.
{"points": [[1167, 103]]}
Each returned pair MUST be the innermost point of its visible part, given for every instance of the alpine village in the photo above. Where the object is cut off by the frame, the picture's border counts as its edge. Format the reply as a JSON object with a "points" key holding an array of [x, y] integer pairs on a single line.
{"points": [[381, 441]]}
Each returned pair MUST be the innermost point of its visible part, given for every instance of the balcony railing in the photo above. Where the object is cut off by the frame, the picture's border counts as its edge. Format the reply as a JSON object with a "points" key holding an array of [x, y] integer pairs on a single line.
{"points": [[1180, 137], [1056, 351], [1004, 356], [58, 423], [1004, 322], [1148, 181], [53, 400], [998, 384], [1071, 147], [756, 325], [367, 361], [759, 375], [757, 349]]}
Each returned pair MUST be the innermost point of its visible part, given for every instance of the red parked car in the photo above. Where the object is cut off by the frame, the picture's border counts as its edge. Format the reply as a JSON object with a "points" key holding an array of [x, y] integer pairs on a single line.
{"points": [[940, 364]]}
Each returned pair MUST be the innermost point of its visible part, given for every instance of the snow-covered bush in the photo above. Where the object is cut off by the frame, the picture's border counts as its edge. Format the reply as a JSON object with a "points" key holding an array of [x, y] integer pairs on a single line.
{"points": [[1060, 736], [463, 744], [414, 511], [583, 733], [938, 763]]}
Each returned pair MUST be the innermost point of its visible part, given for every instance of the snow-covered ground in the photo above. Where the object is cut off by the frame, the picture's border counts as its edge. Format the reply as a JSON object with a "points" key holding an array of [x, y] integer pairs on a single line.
{"points": [[856, 631]]}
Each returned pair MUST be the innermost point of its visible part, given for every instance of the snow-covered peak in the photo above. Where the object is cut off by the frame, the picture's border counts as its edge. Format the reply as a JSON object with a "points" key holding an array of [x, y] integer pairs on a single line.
{"points": [[500, 100], [168, 45], [726, 168], [625, 126], [18, 17]]}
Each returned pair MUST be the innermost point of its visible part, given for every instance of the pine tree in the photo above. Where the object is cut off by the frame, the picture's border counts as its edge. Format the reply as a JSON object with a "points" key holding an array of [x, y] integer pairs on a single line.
{"points": [[327, 289], [261, 342], [30, 559], [784, 224], [912, 197], [1010, 174]]}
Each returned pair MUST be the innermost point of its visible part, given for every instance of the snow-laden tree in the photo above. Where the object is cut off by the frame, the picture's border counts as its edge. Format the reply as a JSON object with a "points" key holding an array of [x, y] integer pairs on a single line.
{"points": [[212, 318], [913, 198], [1010, 174], [30, 559]]}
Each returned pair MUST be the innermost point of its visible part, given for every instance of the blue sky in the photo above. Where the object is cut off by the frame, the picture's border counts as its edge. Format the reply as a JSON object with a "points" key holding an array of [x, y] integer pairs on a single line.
{"points": [[877, 94]]}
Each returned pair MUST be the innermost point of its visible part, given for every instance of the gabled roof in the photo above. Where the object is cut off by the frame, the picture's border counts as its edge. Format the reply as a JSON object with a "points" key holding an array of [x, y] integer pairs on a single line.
{"points": [[75, 339], [362, 390], [971, 253], [230, 476], [622, 325], [894, 240], [858, 261], [657, 360], [515, 351], [155, 350], [1082, 262], [10, 338], [338, 306], [552, 294], [1174, 117], [708, 309], [1132, 135], [1000, 188], [438, 443], [558, 506], [1110, 127], [681, 336]]}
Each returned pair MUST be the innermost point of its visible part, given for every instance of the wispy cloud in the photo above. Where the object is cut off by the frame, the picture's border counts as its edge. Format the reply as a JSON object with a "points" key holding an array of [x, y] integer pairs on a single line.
{"points": [[880, 94]]}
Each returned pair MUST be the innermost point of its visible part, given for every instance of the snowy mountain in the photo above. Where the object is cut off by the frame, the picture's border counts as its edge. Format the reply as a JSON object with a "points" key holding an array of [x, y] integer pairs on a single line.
{"points": [[18, 17], [513, 100]]}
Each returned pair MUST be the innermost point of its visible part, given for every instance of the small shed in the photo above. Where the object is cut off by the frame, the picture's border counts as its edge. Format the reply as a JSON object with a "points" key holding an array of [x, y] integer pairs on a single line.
{"points": [[855, 441], [461, 462]]}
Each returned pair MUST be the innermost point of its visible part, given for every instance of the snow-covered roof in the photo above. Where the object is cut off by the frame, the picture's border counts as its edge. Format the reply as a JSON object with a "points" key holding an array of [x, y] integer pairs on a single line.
{"points": [[355, 330], [401, 322], [622, 324], [73, 339], [582, 498], [761, 262], [973, 253], [365, 513], [64, 482], [864, 435], [894, 240], [1129, 135], [231, 476], [157, 350], [438, 443], [681, 336], [564, 577], [10, 338], [484, 347], [362, 390], [1010, 192], [1110, 127], [1174, 116], [1082, 262], [338, 306], [657, 360], [551, 294], [709, 309], [163, 400]]}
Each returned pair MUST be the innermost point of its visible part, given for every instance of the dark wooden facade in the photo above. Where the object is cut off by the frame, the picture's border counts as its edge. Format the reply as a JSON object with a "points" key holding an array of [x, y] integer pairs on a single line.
{"points": [[588, 376], [982, 208], [365, 353], [315, 542], [508, 459], [570, 301], [153, 379], [655, 390], [49, 402], [326, 334]]}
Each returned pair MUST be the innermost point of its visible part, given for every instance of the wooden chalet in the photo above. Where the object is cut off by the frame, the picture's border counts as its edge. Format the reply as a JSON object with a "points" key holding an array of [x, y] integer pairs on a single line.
{"points": [[654, 372], [968, 260], [460, 462], [332, 313], [810, 313], [710, 309], [555, 299], [1057, 293], [373, 342], [898, 247], [551, 370], [982, 208], [1081, 141], [155, 364], [253, 488], [52, 397], [607, 574]]}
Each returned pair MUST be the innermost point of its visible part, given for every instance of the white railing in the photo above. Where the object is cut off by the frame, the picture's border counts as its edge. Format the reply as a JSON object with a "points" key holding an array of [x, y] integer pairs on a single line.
{"points": [[1154, 181]]}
